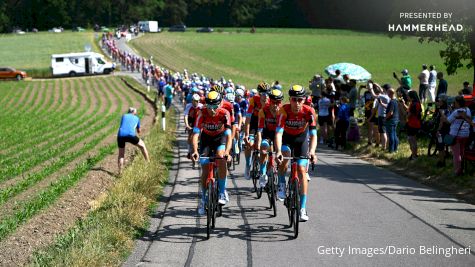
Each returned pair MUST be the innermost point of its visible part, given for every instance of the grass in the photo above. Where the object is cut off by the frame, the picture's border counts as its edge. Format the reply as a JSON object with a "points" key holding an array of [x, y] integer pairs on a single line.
{"points": [[106, 236], [292, 55], [32, 52]]}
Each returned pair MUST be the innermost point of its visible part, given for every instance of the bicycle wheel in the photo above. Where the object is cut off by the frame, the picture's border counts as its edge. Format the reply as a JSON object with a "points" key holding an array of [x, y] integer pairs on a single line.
{"points": [[271, 191], [209, 210], [432, 147], [215, 203], [296, 208], [288, 203]]}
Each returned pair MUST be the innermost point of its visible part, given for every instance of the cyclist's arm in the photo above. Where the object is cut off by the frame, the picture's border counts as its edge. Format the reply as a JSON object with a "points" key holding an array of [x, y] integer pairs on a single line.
{"points": [[196, 133], [312, 127], [279, 130], [260, 128], [250, 109], [228, 132]]}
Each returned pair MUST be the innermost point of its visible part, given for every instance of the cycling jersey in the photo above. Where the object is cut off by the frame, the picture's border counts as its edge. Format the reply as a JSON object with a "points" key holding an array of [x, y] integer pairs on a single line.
{"points": [[192, 112], [296, 124], [244, 104], [212, 125], [230, 108], [267, 122], [254, 106], [237, 112]]}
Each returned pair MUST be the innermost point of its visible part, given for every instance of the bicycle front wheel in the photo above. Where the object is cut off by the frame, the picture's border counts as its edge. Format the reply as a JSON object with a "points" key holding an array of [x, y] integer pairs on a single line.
{"points": [[209, 210], [296, 208], [271, 191]]}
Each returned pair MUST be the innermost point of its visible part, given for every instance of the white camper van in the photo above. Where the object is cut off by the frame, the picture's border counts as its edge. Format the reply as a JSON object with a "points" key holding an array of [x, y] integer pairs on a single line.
{"points": [[149, 26], [84, 63]]}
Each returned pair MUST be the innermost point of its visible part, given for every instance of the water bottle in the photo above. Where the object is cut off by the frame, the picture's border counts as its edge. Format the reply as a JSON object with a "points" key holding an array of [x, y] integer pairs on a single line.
{"points": [[439, 138]]}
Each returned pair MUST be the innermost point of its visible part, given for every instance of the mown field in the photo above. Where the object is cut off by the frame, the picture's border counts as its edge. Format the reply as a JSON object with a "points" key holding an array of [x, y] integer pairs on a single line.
{"points": [[32, 52], [292, 55], [53, 134]]}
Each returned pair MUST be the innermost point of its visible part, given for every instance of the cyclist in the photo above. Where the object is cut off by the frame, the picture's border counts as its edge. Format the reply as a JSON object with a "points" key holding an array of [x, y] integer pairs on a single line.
{"points": [[230, 97], [295, 121], [255, 104], [266, 130], [243, 105], [213, 126], [190, 114]]}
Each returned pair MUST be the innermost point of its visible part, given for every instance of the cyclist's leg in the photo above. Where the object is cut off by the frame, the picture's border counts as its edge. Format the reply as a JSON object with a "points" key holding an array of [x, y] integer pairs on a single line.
{"points": [[222, 166], [301, 150], [204, 172], [282, 171], [263, 155]]}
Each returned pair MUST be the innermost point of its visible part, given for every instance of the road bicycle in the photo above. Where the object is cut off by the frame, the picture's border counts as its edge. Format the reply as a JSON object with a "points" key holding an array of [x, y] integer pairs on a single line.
{"points": [[254, 173], [292, 199], [213, 208], [270, 187]]}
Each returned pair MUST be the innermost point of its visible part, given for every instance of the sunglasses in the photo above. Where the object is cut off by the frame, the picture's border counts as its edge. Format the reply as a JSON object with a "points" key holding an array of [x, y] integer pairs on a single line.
{"points": [[276, 102], [212, 106], [297, 99], [263, 94]]}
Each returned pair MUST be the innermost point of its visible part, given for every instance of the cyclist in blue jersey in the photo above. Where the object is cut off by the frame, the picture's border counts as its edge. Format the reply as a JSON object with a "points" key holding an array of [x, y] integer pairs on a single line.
{"points": [[129, 127]]}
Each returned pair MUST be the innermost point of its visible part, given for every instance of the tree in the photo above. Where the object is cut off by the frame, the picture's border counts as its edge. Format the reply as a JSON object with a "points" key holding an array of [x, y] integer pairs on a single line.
{"points": [[460, 45]]}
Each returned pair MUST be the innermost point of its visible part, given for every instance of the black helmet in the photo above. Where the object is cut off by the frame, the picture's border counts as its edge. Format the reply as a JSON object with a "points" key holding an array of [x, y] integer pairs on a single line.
{"points": [[218, 88], [276, 94], [297, 91], [213, 98], [263, 87]]}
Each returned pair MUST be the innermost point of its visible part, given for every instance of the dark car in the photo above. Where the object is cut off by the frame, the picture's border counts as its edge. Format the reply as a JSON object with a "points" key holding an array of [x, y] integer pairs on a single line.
{"points": [[11, 73], [205, 29], [177, 28]]}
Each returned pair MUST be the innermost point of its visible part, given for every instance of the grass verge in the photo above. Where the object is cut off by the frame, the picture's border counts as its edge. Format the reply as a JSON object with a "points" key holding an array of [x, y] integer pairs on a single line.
{"points": [[106, 236]]}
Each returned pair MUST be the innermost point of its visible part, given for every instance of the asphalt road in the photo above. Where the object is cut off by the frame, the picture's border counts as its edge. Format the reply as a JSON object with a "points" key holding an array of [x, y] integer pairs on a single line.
{"points": [[357, 212], [360, 215]]}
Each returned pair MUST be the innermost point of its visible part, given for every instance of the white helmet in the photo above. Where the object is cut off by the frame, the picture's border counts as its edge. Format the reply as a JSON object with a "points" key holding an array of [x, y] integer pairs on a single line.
{"points": [[240, 92], [196, 97], [230, 97]]}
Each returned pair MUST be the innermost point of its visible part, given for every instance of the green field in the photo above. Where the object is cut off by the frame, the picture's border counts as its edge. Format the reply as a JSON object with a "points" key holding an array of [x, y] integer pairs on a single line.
{"points": [[53, 132], [292, 55], [33, 51]]}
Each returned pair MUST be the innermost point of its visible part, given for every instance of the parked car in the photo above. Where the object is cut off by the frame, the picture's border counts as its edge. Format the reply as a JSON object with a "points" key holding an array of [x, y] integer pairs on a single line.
{"points": [[205, 29], [78, 29], [11, 73], [177, 28], [56, 29]]}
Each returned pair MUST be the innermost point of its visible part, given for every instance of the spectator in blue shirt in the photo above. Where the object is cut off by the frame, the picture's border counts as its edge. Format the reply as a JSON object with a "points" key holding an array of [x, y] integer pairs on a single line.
{"points": [[128, 130], [169, 92], [392, 120], [342, 123]]}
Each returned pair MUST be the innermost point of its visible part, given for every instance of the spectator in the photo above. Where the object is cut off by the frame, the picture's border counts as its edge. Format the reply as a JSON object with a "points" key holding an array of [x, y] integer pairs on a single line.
{"points": [[338, 79], [443, 127], [379, 93], [405, 83], [317, 85], [413, 124], [353, 97], [423, 83], [342, 123], [128, 130], [460, 121], [371, 117], [443, 86], [324, 118], [467, 90], [392, 120], [432, 83]]}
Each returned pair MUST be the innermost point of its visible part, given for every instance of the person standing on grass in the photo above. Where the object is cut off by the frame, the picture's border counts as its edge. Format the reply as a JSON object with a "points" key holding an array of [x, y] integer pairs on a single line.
{"points": [[382, 100], [368, 102], [443, 126], [423, 83], [353, 97], [392, 120], [432, 83], [413, 124], [128, 130], [460, 121], [342, 123], [443, 85]]}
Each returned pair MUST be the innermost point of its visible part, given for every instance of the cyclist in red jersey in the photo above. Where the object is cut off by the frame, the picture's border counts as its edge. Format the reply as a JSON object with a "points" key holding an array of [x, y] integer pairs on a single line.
{"points": [[255, 104], [296, 122], [213, 126], [189, 117], [266, 131]]}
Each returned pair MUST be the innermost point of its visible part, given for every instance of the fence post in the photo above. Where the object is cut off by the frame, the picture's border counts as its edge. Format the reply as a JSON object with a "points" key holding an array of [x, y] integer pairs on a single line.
{"points": [[163, 117]]}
